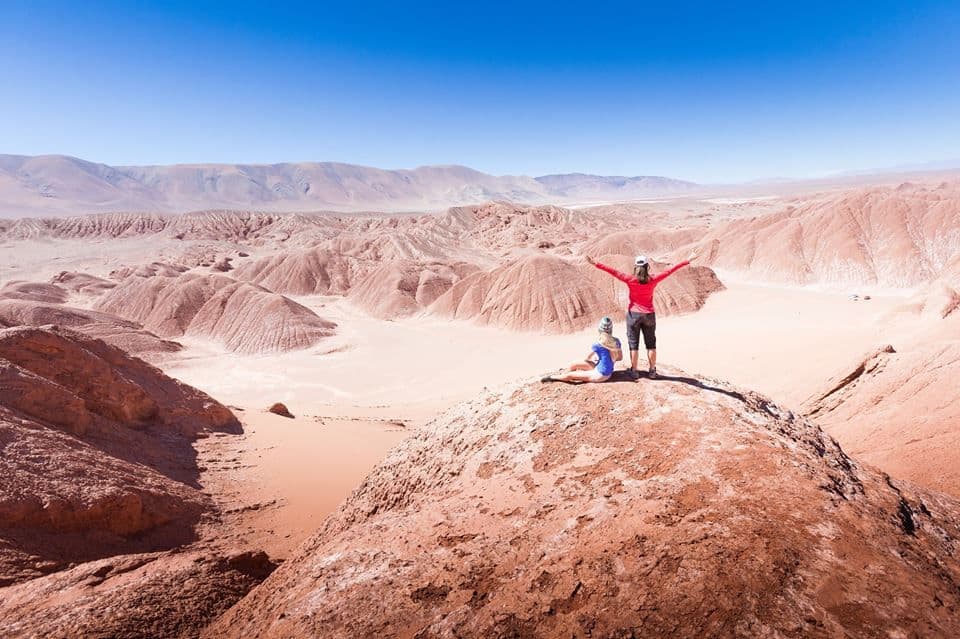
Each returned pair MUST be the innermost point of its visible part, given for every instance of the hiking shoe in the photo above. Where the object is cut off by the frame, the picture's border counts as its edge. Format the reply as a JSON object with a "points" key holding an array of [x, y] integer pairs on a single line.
{"points": [[547, 378], [633, 373], [653, 373]]}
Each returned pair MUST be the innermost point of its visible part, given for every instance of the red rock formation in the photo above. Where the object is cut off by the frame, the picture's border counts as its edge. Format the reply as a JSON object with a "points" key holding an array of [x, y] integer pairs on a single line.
{"points": [[901, 236], [312, 272], [652, 242], [401, 288], [503, 225], [548, 294], [96, 452], [33, 291], [83, 283], [281, 409], [114, 330], [146, 595], [535, 293], [244, 317], [896, 408], [674, 508]]}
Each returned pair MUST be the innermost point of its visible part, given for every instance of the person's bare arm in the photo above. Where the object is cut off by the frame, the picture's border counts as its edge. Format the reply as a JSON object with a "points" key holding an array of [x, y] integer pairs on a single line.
{"points": [[670, 271], [623, 277]]}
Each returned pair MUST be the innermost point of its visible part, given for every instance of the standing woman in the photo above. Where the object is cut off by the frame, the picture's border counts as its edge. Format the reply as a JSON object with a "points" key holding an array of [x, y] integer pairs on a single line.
{"points": [[641, 316]]}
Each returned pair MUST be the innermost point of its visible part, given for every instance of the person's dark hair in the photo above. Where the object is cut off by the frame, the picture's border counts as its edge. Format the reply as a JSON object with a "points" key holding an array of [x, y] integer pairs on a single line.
{"points": [[642, 273]]}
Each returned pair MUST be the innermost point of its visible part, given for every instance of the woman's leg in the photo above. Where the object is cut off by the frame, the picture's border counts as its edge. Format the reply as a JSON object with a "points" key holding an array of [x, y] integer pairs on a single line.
{"points": [[633, 340], [573, 373], [581, 376], [650, 341], [574, 376]]}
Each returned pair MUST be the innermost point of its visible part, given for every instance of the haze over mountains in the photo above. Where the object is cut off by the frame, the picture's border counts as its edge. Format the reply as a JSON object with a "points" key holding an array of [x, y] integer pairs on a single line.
{"points": [[53, 185]]}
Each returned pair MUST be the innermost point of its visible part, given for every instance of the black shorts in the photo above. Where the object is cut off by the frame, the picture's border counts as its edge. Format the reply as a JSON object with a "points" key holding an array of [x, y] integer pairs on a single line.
{"points": [[645, 323]]}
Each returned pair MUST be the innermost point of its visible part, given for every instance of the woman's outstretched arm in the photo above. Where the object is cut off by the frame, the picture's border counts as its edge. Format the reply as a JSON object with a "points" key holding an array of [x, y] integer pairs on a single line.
{"points": [[673, 269], [623, 277]]}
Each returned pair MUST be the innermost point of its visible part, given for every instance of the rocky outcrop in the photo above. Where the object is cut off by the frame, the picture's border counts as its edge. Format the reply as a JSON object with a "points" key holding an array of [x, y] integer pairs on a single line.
{"points": [[244, 317], [95, 452], [33, 291], [537, 293], [898, 236], [548, 294], [132, 596], [114, 330], [279, 408], [402, 288], [112, 385], [318, 271], [670, 508], [896, 407], [82, 283], [652, 242]]}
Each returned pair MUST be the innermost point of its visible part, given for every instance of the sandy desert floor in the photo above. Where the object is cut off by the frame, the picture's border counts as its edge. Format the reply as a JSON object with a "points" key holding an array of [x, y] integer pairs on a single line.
{"points": [[363, 391]]}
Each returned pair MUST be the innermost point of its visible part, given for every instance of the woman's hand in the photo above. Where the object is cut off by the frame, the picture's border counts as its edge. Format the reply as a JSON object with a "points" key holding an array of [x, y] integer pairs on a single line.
{"points": [[590, 260]]}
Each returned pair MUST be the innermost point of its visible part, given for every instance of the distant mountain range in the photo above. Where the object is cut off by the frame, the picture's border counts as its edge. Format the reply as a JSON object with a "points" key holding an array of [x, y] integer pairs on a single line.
{"points": [[56, 185]]}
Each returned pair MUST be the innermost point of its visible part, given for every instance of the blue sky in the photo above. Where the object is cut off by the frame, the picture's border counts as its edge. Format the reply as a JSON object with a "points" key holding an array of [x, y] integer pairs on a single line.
{"points": [[703, 91]]}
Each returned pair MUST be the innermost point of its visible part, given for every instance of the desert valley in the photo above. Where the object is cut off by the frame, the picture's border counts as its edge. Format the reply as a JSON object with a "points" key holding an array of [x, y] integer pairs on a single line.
{"points": [[794, 471]]}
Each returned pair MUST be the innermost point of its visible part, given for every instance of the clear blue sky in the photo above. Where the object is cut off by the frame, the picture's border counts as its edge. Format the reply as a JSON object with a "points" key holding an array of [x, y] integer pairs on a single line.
{"points": [[709, 91]]}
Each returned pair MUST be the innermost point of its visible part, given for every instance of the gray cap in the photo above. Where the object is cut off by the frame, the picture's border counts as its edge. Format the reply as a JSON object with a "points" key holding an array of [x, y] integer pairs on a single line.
{"points": [[606, 325]]}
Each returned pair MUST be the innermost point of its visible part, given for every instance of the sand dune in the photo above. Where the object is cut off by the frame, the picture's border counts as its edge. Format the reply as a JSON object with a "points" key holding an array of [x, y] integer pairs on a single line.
{"points": [[543, 510]]}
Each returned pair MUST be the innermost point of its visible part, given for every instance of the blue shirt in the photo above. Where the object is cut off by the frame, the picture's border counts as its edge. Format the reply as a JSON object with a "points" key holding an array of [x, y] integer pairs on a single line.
{"points": [[604, 361]]}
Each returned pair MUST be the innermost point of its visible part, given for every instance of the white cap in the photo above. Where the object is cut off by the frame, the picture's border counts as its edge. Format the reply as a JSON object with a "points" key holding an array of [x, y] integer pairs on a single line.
{"points": [[640, 261]]}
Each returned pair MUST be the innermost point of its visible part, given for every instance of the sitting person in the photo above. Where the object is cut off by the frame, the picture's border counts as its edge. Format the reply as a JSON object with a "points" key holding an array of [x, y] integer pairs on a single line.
{"points": [[598, 365]]}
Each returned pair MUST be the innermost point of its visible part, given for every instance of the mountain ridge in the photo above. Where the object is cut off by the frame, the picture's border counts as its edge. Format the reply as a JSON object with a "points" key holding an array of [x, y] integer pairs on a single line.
{"points": [[56, 185]]}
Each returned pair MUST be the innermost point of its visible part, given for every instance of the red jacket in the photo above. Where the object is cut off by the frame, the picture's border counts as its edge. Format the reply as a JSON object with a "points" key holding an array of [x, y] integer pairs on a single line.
{"points": [[641, 295]]}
